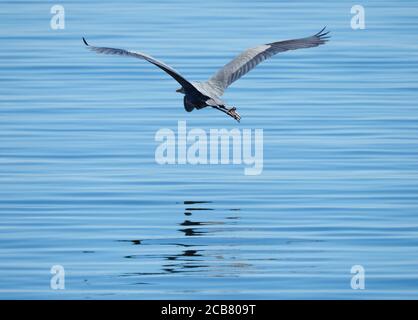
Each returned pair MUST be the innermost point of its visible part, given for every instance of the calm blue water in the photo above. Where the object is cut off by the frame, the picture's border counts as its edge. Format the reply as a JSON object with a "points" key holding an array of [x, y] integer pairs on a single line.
{"points": [[79, 186]]}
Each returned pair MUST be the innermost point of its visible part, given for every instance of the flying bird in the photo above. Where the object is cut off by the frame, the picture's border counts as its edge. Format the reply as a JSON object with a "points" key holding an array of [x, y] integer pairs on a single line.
{"points": [[198, 95]]}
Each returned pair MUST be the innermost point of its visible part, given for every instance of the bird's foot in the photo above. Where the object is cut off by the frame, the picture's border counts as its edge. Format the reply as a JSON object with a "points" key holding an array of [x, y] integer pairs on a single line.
{"points": [[232, 113]]}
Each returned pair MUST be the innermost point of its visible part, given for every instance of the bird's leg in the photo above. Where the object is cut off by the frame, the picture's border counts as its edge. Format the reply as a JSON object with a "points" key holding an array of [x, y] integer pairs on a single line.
{"points": [[230, 112]]}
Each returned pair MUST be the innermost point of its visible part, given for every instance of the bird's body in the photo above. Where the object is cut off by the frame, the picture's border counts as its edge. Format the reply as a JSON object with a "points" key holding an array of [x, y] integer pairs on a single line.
{"points": [[198, 95], [205, 97]]}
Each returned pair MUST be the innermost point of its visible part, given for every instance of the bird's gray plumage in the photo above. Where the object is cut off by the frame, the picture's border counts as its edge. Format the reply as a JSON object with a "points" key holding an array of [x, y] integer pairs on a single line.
{"points": [[250, 58], [121, 52], [201, 94]]}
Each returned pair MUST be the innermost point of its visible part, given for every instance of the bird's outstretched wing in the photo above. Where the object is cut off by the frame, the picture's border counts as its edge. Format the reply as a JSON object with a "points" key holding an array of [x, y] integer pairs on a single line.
{"points": [[250, 58], [121, 52]]}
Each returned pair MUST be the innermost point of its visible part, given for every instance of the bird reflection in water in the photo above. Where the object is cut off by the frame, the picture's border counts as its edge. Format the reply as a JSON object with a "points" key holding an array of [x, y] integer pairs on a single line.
{"points": [[193, 257], [188, 259]]}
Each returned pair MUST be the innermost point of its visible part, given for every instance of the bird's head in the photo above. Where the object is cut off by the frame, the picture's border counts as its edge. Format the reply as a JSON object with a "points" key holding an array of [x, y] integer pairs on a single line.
{"points": [[180, 90]]}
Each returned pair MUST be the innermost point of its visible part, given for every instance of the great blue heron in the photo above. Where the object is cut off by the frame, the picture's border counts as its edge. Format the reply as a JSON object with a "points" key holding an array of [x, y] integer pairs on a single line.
{"points": [[198, 95]]}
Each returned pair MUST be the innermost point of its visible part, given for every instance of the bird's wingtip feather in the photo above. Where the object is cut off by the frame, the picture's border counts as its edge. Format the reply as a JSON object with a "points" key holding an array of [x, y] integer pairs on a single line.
{"points": [[323, 34], [321, 31]]}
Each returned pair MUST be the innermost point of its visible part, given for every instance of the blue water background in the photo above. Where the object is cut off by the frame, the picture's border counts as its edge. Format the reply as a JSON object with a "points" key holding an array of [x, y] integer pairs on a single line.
{"points": [[79, 185]]}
